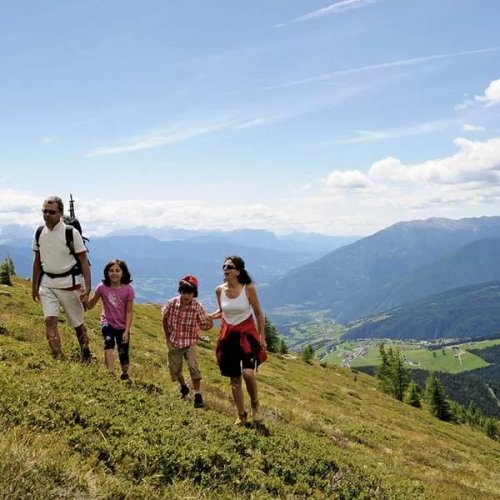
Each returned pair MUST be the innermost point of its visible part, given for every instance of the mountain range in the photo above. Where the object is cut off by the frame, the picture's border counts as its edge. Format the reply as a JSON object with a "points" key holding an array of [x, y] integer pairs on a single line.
{"points": [[402, 263], [299, 279], [157, 265]]}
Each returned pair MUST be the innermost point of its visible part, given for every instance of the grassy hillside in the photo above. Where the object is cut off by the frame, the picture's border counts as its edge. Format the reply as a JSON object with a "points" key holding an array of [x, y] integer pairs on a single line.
{"points": [[69, 431]]}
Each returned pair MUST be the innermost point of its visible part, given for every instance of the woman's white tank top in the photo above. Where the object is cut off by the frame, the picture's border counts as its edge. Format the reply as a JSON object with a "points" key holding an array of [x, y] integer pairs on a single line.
{"points": [[237, 310]]}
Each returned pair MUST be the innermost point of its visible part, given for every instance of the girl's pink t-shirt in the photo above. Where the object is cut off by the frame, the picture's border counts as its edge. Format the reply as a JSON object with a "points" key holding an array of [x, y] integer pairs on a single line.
{"points": [[114, 300]]}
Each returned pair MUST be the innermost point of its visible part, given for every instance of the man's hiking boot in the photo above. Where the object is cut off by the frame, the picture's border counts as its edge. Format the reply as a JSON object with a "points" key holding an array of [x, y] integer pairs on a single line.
{"points": [[198, 401], [256, 414], [242, 419], [86, 356], [124, 376], [184, 390]]}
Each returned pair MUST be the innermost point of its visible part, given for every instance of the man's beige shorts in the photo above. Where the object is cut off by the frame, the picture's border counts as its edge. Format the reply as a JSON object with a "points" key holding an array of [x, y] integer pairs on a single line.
{"points": [[53, 298], [175, 358]]}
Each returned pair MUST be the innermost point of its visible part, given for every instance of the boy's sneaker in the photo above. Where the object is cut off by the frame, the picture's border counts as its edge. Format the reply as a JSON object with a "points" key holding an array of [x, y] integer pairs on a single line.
{"points": [[184, 390], [125, 376], [242, 419], [256, 414], [198, 401]]}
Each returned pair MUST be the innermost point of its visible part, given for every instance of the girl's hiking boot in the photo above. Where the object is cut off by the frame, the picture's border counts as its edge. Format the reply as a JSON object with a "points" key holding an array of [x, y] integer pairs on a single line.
{"points": [[184, 390], [125, 376], [198, 401], [242, 419], [256, 414]]}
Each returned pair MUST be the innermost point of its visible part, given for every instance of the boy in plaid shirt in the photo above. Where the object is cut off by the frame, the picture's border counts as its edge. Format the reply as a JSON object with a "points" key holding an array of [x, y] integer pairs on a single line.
{"points": [[183, 318]]}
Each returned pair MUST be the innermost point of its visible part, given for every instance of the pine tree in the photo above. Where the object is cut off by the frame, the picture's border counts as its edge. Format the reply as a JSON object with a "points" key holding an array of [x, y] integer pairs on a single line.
{"points": [[413, 396], [383, 370], [473, 414], [398, 375], [436, 397], [490, 427], [5, 273], [10, 262], [272, 337], [458, 413], [282, 347], [307, 354]]}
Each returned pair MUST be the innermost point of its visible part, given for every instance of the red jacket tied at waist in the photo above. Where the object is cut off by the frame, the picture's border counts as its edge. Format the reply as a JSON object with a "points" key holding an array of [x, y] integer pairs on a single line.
{"points": [[244, 328]]}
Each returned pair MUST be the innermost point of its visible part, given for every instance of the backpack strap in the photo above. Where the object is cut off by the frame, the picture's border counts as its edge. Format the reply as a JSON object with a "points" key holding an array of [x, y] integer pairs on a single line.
{"points": [[69, 241], [77, 269], [37, 235]]}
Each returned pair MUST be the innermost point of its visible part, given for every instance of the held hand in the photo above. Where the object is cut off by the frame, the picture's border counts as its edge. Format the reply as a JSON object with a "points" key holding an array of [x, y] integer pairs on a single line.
{"points": [[84, 295]]}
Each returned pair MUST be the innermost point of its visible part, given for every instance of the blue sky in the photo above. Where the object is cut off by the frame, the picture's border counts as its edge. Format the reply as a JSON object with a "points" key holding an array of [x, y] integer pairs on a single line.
{"points": [[338, 117]]}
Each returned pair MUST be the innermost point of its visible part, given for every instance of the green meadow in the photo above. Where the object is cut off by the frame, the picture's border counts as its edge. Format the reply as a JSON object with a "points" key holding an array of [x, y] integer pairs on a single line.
{"points": [[70, 431], [446, 359]]}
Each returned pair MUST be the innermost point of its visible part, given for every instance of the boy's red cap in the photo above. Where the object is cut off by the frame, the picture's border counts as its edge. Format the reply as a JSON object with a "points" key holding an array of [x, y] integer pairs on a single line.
{"points": [[191, 280]]}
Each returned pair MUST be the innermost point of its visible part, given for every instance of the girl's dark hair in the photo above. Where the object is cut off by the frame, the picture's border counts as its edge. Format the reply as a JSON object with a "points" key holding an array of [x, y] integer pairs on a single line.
{"points": [[187, 287], [243, 278], [126, 278]]}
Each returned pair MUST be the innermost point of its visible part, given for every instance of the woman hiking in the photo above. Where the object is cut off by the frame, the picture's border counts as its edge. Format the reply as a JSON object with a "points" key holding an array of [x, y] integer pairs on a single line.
{"points": [[241, 347]]}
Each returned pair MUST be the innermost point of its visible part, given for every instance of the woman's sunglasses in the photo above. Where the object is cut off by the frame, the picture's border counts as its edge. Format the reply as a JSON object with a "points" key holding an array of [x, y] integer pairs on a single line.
{"points": [[228, 267]]}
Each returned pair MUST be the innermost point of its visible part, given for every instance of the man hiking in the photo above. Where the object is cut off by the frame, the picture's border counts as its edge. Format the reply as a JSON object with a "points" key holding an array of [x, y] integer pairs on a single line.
{"points": [[60, 266]]}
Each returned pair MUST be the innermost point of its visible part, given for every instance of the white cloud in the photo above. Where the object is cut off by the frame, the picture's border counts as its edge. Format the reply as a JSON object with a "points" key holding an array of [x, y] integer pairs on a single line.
{"points": [[48, 140], [348, 179], [382, 66], [466, 183], [463, 184], [19, 207], [490, 98], [467, 127], [335, 8], [258, 122], [382, 135], [390, 169], [467, 103], [491, 94], [174, 134], [474, 162]]}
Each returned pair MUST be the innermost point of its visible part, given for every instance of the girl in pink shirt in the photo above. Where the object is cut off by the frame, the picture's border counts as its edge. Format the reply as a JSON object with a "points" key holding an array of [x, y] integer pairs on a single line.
{"points": [[117, 299]]}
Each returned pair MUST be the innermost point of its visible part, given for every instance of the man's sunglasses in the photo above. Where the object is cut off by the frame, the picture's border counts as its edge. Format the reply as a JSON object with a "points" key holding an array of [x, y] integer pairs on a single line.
{"points": [[228, 267], [50, 212]]}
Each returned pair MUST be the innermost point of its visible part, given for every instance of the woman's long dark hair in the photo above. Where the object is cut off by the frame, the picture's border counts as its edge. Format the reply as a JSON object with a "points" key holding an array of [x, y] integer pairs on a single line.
{"points": [[126, 278], [243, 278]]}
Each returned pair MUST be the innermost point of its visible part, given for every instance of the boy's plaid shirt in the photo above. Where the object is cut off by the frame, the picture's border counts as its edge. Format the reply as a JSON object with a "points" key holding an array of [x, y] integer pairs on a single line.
{"points": [[184, 322]]}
